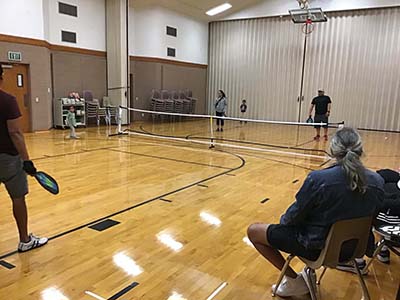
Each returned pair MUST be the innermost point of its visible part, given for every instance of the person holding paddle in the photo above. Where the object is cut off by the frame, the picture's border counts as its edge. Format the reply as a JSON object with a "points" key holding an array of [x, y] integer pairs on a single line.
{"points": [[14, 167]]}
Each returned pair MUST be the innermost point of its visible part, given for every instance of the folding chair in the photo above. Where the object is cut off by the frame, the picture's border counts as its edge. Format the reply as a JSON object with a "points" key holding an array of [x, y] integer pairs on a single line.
{"points": [[354, 230], [390, 238]]}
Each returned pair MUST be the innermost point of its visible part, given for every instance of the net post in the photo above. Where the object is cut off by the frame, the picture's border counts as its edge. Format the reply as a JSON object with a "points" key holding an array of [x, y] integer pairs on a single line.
{"points": [[120, 120], [212, 133]]}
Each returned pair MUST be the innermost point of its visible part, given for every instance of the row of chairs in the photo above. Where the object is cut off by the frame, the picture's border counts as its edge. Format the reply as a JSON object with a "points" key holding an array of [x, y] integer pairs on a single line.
{"points": [[96, 110], [173, 101]]}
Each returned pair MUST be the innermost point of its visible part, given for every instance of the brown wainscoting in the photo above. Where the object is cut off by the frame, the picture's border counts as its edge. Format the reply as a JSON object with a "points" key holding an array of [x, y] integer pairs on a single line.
{"points": [[167, 61], [77, 50], [22, 40], [42, 43]]}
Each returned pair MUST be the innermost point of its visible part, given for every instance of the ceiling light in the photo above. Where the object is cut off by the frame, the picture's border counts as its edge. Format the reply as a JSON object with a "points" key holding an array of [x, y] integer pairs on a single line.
{"points": [[219, 9]]}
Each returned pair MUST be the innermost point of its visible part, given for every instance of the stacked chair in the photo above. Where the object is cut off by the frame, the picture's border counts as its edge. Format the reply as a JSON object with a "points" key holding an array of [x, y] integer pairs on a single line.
{"points": [[173, 101]]}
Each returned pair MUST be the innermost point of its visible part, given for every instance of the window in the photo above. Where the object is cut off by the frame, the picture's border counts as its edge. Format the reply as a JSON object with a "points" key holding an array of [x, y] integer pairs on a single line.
{"points": [[69, 37], [172, 31], [171, 52], [67, 9]]}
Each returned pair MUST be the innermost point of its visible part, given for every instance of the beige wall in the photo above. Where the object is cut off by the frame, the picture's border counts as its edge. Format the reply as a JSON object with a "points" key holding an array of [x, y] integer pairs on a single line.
{"points": [[150, 75], [78, 72], [38, 59]]}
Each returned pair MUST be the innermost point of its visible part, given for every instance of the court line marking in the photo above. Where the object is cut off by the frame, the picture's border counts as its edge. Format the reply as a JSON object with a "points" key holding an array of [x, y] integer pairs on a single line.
{"points": [[203, 185], [124, 291], [228, 145], [165, 200], [166, 158], [243, 163], [6, 265], [217, 291], [94, 295], [215, 138]]}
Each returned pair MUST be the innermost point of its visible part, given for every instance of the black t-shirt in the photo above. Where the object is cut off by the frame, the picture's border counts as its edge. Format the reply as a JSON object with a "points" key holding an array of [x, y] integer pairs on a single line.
{"points": [[243, 108], [9, 110], [321, 104]]}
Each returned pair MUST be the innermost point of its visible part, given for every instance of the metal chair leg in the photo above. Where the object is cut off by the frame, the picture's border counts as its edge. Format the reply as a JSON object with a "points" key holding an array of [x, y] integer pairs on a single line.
{"points": [[310, 275], [377, 250], [287, 263], [322, 275], [362, 283]]}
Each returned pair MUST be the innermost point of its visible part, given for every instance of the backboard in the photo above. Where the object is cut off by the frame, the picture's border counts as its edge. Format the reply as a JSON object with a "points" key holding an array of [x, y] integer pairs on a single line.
{"points": [[313, 14]]}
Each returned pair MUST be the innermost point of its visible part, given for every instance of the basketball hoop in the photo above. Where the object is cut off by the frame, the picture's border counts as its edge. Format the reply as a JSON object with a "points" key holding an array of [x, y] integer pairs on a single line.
{"points": [[308, 27]]}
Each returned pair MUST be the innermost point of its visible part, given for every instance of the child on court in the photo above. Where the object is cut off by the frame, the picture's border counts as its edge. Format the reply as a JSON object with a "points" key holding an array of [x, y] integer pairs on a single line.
{"points": [[71, 122], [243, 109]]}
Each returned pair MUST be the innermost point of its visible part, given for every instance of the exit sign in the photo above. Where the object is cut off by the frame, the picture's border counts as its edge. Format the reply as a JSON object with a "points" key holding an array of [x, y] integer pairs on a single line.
{"points": [[14, 56]]}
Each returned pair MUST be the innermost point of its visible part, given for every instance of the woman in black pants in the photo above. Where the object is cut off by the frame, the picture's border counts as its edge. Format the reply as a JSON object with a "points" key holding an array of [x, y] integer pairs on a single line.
{"points": [[220, 108]]}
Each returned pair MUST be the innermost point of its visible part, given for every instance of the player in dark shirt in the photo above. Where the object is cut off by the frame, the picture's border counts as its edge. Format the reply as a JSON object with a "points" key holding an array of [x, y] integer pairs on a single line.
{"points": [[14, 165], [322, 105], [243, 110]]}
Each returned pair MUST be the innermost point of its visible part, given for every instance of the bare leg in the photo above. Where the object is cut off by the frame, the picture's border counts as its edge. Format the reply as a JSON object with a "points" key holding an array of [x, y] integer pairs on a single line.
{"points": [[257, 234], [318, 131], [21, 217], [326, 131]]}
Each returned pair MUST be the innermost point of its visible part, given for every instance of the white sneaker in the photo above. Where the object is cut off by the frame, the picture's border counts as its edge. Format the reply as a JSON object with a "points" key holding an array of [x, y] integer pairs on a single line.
{"points": [[291, 287], [34, 242]]}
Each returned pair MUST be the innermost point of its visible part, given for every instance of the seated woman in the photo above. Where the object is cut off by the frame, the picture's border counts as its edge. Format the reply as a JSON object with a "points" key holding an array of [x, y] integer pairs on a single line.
{"points": [[390, 211], [346, 190]]}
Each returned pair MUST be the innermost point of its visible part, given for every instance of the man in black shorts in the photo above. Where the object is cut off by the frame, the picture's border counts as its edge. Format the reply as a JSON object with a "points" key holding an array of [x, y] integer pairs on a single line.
{"points": [[14, 165], [322, 105]]}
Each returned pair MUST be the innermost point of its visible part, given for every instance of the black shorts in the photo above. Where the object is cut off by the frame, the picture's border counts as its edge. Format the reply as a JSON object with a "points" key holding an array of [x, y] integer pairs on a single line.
{"points": [[321, 119], [284, 238]]}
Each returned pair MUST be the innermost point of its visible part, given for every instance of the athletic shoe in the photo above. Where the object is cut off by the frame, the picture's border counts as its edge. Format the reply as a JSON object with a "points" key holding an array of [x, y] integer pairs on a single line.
{"points": [[316, 138], [222, 129], [325, 137], [311, 284], [217, 129], [34, 242], [349, 267], [384, 256], [291, 287]]}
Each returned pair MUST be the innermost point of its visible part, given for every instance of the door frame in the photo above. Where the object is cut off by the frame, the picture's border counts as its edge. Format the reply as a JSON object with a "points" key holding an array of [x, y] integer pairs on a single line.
{"points": [[27, 82]]}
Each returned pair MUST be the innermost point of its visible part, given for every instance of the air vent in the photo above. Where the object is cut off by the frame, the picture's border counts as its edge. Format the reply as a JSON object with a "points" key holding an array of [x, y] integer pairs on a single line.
{"points": [[69, 37], [67, 9], [171, 52], [172, 31]]}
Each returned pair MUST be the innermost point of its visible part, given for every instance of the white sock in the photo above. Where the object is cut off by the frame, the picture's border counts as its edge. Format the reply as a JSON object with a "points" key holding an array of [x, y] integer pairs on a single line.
{"points": [[384, 248]]}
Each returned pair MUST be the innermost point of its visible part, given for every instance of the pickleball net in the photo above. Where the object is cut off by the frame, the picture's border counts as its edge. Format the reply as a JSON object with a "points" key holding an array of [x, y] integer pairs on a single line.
{"points": [[281, 138]]}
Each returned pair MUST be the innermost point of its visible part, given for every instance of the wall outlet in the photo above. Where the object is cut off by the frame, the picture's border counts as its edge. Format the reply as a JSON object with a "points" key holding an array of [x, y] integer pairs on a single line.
{"points": [[143, 115], [37, 99], [137, 98], [49, 90]]}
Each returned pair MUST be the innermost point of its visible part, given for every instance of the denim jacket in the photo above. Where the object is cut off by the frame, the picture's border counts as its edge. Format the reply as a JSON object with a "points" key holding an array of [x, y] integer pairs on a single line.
{"points": [[326, 198]]}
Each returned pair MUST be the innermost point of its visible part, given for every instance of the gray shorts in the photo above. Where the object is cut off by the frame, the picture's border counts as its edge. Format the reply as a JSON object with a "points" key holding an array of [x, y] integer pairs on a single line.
{"points": [[321, 119], [13, 176]]}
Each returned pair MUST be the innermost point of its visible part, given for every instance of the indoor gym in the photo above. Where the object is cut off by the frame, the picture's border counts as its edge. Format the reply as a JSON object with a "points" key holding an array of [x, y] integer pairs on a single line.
{"points": [[157, 204]]}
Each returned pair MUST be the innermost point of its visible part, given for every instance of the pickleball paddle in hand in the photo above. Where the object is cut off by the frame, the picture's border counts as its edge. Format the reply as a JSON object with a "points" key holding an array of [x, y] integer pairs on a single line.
{"points": [[44, 179]]}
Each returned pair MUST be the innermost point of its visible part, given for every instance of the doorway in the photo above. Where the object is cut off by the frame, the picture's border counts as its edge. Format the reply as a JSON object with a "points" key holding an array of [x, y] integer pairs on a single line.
{"points": [[16, 83]]}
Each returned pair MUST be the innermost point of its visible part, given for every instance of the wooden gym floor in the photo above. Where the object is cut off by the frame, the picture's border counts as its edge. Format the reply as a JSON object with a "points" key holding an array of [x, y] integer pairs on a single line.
{"points": [[183, 211]]}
